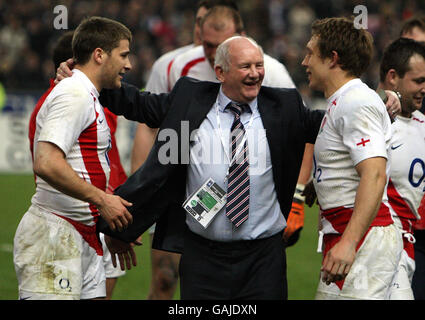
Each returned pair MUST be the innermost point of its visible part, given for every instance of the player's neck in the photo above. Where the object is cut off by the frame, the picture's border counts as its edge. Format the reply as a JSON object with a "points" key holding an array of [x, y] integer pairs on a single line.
{"points": [[406, 114], [91, 73], [335, 81]]}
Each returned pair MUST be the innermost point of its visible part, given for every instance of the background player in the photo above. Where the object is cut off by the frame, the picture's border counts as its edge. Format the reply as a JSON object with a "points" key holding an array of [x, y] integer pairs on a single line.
{"points": [[403, 70], [415, 29]]}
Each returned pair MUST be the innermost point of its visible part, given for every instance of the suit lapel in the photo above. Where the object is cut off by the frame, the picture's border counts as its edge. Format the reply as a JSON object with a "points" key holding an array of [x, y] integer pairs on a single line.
{"points": [[272, 120], [200, 105]]}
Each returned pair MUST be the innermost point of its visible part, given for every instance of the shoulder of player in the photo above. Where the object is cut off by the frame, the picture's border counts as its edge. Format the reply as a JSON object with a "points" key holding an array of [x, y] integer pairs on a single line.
{"points": [[272, 62], [193, 54], [166, 58], [72, 90], [419, 118], [360, 97], [276, 73]]}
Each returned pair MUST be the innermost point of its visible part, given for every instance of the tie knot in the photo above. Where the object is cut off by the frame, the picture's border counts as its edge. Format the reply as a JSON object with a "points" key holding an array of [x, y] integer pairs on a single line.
{"points": [[238, 108]]}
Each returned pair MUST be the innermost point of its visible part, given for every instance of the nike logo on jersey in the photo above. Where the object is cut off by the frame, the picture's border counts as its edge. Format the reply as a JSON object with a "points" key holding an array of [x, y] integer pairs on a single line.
{"points": [[101, 120], [396, 147]]}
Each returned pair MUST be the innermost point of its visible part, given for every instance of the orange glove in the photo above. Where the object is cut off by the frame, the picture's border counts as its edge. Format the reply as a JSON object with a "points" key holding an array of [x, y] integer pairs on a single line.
{"points": [[295, 221]]}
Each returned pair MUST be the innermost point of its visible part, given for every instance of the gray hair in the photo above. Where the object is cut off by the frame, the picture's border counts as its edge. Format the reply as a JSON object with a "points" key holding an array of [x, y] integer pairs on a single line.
{"points": [[222, 53]]}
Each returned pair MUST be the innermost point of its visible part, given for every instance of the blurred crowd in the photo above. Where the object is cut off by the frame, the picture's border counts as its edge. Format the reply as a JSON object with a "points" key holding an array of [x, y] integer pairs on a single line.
{"points": [[282, 27]]}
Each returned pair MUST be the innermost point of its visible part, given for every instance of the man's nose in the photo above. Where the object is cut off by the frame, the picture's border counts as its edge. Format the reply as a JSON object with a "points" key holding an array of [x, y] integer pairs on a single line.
{"points": [[253, 72], [128, 65]]}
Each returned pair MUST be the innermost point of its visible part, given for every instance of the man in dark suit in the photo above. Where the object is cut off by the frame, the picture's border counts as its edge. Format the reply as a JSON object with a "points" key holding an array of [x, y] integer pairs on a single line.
{"points": [[240, 254]]}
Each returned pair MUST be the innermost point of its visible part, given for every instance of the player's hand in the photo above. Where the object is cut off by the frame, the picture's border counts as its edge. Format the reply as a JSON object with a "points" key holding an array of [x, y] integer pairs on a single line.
{"points": [[124, 251], [393, 104], [138, 241], [310, 194], [338, 262], [64, 70], [113, 209], [295, 223]]}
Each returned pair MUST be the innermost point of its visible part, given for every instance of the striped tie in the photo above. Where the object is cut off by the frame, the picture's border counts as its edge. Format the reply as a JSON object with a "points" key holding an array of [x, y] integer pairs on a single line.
{"points": [[237, 206]]}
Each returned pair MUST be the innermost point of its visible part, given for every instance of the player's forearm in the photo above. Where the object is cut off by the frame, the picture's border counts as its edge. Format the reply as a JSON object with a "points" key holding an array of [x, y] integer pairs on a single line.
{"points": [[306, 165], [52, 167], [367, 203]]}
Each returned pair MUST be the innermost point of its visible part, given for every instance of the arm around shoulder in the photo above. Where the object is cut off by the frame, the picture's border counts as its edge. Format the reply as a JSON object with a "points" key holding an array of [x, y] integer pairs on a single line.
{"points": [[311, 119], [136, 105]]}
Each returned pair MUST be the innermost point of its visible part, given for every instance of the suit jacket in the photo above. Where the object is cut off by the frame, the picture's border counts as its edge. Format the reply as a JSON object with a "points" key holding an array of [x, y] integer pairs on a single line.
{"points": [[157, 190]]}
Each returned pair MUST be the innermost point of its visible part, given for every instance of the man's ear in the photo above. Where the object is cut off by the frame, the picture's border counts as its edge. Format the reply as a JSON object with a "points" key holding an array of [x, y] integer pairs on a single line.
{"points": [[334, 59], [99, 55], [219, 73], [392, 79]]}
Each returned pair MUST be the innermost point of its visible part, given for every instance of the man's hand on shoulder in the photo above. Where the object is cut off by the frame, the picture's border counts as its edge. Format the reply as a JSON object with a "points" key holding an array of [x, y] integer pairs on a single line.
{"points": [[64, 70]]}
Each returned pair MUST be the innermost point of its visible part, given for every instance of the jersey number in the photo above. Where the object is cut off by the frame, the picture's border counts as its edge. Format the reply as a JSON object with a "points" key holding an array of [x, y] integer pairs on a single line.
{"points": [[317, 172], [421, 164]]}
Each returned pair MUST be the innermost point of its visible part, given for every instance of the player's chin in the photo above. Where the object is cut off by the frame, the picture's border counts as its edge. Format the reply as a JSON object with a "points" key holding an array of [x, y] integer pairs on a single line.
{"points": [[312, 85], [118, 84], [114, 85]]}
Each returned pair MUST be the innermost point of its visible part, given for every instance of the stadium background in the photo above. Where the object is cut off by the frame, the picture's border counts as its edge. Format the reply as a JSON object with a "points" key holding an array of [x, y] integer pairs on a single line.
{"points": [[27, 35]]}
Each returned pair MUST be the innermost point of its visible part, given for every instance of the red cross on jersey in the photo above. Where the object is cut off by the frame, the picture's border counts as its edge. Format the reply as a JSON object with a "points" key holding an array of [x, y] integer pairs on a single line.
{"points": [[363, 142]]}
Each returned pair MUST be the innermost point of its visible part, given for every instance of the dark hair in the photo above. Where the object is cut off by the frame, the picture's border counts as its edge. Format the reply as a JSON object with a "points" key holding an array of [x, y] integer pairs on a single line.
{"points": [[97, 32], [211, 3], [397, 55], [410, 24], [63, 48], [353, 45], [225, 12]]}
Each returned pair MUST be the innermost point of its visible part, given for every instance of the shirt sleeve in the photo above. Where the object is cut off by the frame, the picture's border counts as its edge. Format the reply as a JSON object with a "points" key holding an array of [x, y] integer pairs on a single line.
{"points": [[361, 125], [68, 114], [157, 82]]}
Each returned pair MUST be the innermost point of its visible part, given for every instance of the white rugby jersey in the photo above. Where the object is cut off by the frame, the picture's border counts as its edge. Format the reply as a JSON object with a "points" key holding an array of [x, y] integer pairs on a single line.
{"points": [[72, 118], [158, 81], [356, 127], [407, 175], [193, 63]]}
